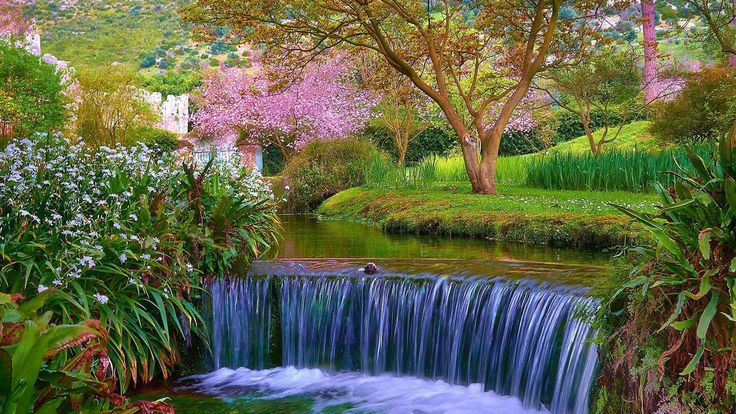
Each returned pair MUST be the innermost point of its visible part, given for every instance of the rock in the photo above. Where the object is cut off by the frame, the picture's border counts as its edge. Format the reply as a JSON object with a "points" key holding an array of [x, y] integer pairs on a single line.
{"points": [[370, 268]]}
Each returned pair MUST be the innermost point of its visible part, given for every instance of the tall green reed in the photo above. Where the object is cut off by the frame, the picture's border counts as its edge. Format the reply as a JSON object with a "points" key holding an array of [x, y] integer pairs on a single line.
{"points": [[635, 171]]}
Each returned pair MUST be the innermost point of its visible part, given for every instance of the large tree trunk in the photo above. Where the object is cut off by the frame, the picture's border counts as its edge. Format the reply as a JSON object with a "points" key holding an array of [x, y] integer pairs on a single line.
{"points": [[650, 49]]}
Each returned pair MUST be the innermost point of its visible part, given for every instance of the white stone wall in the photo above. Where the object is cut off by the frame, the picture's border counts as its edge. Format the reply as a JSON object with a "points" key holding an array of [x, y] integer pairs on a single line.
{"points": [[174, 111]]}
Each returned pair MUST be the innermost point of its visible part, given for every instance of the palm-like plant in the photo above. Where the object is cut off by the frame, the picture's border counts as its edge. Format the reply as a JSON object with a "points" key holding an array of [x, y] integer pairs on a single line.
{"points": [[690, 275]]}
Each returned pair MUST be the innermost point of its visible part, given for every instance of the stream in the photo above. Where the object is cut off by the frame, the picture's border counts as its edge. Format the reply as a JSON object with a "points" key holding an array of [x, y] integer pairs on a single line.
{"points": [[445, 326]]}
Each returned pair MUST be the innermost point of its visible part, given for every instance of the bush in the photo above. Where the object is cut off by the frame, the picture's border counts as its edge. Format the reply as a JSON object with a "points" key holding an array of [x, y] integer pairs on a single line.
{"points": [[55, 368], [159, 140], [323, 169], [570, 126], [704, 110], [671, 323], [125, 237], [172, 82], [433, 141], [148, 60], [31, 92]]}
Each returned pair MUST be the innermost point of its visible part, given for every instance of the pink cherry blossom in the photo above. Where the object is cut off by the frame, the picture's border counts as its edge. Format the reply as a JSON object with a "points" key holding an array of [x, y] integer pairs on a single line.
{"points": [[320, 104]]}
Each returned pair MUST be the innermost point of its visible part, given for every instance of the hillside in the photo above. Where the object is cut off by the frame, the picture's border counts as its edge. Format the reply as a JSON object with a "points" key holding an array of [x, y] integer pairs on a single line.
{"points": [[145, 35]]}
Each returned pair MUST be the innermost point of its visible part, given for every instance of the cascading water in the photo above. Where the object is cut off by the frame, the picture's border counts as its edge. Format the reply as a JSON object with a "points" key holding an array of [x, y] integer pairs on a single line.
{"points": [[516, 338]]}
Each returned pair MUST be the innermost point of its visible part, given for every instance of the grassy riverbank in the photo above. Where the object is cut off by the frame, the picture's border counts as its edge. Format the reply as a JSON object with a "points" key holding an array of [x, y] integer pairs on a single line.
{"points": [[519, 214]]}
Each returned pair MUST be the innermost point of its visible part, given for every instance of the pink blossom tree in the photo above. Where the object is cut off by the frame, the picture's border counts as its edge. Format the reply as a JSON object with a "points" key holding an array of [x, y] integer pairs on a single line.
{"points": [[261, 108]]}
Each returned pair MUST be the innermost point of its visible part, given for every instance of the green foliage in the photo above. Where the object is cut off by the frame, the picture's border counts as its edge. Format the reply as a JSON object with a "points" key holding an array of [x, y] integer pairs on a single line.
{"points": [[160, 140], [172, 82], [31, 92], [683, 290], [705, 110], [636, 171], [45, 367], [381, 172], [324, 168], [108, 107], [433, 141], [96, 34], [570, 126], [125, 237]]}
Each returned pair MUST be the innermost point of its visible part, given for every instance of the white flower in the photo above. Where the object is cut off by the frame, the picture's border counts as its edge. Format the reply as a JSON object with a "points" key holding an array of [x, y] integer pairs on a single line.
{"points": [[57, 282], [146, 256], [123, 258], [42, 288], [87, 261], [101, 298]]}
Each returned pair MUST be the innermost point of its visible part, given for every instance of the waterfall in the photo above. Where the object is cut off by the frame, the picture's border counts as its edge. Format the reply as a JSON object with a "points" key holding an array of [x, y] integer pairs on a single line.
{"points": [[517, 338]]}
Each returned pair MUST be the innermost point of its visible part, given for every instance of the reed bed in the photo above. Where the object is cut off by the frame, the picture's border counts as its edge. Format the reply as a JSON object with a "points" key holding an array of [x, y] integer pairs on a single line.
{"points": [[633, 171]]}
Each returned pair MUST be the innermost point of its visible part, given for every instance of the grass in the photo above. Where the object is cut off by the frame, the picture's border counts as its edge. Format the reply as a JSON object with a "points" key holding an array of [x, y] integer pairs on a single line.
{"points": [[619, 170], [558, 218], [633, 162], [632, 136]]}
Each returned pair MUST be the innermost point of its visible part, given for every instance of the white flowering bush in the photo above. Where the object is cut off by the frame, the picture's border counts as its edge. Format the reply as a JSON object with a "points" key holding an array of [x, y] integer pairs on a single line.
{"points": [[125, 236]]}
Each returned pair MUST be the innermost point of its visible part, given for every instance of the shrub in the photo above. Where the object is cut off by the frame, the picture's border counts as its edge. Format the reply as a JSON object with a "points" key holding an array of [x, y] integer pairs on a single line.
{"points": [[159, 140], [433, 141], [172, 82], [704, 110], [31, 93], [674, 316], [125, 237], [148, 60], [323, 169], [55, 368]]}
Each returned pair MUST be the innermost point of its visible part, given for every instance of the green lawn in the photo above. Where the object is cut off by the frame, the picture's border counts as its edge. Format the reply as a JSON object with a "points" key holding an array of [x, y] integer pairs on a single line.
{"points": [[633, 135], [561, 218]]}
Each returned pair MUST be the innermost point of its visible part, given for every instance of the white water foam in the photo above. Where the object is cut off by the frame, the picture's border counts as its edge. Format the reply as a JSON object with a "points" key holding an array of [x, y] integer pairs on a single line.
{"points": [[383, 394]]}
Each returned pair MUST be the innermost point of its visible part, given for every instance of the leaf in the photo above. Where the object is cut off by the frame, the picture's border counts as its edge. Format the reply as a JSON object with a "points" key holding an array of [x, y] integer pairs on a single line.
{"points": [[6, 372], [678, 308], [733, 265], [682, 325], [705, 286], [707, 315], [693, 362], [704, 243]]}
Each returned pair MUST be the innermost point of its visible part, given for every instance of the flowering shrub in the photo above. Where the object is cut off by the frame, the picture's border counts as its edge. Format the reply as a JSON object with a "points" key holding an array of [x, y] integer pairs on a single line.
{"points": [[125, 237]]}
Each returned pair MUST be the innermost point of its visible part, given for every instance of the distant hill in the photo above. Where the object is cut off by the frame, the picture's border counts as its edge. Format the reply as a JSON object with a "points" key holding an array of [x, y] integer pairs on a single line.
{"points": [[145, 35]]}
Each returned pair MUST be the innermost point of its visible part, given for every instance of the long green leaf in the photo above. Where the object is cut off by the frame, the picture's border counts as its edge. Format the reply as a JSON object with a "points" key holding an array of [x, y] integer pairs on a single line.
{"points": [[707, 316]]}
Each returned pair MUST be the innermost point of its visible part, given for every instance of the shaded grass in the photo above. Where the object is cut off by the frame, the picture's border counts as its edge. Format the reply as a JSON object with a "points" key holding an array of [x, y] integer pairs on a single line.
{"points": [[558, 218]]}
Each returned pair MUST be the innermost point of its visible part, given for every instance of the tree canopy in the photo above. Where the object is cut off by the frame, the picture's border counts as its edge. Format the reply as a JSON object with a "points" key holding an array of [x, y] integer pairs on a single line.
{"points": [[484, 52]]}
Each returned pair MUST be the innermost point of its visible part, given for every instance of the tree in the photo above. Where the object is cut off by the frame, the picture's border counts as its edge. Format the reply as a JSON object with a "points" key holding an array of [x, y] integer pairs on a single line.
{"points": [[108, 106], [31, 93], [649, 32], [401, 117], [263, 108], [720, 17], [705, 110], [606, 83], [484, 52]]}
